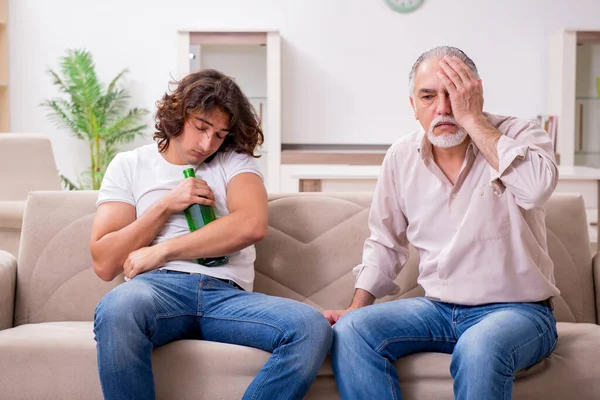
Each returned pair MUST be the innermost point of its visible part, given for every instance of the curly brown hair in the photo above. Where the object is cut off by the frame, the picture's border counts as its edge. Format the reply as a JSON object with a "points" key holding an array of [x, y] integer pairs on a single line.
{"points": [[205, 91]]}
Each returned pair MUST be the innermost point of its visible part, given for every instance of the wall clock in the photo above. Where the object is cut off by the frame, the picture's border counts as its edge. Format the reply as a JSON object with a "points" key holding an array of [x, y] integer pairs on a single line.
{"points": [[404, 6]]}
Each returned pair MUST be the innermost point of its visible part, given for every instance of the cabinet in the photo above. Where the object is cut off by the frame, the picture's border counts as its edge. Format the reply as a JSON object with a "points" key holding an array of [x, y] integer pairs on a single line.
{"points": [[253, 59], [574, 96], [587, 101]]}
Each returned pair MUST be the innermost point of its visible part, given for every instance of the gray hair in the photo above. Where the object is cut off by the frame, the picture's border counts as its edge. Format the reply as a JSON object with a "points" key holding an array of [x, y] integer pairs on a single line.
{"points": [[439, 52]]}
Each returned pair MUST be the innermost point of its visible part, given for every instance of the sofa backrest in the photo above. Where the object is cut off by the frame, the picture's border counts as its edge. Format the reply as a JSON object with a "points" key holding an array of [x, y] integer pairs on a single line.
{"points": [[28, 164], [314, 241], [55, 279], [319, 239]]}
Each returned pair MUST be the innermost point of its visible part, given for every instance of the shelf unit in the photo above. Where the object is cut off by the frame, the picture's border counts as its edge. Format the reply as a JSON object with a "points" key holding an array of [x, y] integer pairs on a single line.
{"points": [[573, 97], [571, 94], [216, 48], [4, 111]]}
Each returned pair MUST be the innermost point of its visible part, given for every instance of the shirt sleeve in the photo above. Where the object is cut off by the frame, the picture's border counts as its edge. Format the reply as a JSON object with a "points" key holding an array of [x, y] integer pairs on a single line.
{"points": [[117, 182], [526, 165], [237, 163], [386, 249]]}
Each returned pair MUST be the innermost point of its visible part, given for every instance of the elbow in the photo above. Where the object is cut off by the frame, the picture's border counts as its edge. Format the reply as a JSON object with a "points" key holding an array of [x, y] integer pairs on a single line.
{"points": [[540, 192], [103, 273], [544, 191], [101, 266], [257, 231], [538, 199]]}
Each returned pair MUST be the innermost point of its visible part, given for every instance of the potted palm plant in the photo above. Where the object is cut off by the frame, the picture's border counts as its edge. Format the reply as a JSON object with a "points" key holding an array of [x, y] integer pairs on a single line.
{"points": [[92, 112]]}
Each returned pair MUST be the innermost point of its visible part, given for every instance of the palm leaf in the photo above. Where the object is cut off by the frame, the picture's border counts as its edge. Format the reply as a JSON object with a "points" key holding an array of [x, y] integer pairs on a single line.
{"points": [[124, 129], [111, 106], [58, 81], [68, 184], [113, 83], [92, 113], [61, 116]]}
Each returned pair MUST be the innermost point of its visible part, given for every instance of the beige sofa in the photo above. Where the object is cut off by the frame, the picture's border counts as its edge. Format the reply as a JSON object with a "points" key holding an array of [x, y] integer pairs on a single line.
{"points": [[26, 164], [47, 349]]}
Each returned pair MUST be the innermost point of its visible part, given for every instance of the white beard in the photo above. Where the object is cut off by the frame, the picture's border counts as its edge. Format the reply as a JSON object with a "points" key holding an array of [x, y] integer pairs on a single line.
{"points": [[446, 140]]}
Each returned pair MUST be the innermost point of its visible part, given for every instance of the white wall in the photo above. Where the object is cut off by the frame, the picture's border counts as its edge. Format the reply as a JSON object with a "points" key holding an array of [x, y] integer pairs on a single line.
{"points": [[345, 62]]}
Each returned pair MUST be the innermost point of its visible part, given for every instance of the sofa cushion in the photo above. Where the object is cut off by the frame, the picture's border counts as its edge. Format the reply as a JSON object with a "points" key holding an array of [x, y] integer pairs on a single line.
{"points": [[49, 361], [570, 372], [55, 279], [57, 360]]}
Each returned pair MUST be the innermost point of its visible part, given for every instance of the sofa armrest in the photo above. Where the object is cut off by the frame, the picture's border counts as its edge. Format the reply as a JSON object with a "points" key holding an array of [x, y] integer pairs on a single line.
{"points": [[8, 285]]}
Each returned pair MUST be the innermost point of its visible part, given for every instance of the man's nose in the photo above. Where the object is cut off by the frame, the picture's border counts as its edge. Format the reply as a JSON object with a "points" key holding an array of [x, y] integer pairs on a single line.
{"points": [[206, 140], [444, 107]]}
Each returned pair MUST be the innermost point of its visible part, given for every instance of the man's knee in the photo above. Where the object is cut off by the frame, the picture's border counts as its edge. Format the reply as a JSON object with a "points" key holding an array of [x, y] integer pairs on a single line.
{"points": [[481, 354], [127, 304], [351, 332], [344, 329], [306, 322], [309, 335], [373, 320]]}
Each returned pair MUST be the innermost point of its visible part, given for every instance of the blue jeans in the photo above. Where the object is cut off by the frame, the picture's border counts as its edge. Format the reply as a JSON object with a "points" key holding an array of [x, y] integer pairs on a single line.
{"points": [[488, 343], [159, 307]]}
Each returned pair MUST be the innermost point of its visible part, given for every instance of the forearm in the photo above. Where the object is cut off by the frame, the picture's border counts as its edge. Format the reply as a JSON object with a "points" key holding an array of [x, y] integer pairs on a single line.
{"points": [[527, 170], [111, 250], [522, 161], [386, 248], [225, 235], [486, 137], [361, 298]]}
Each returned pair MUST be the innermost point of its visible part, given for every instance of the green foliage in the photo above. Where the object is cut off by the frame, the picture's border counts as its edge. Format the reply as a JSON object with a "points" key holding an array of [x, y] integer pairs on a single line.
{"points": [[92, 113]]}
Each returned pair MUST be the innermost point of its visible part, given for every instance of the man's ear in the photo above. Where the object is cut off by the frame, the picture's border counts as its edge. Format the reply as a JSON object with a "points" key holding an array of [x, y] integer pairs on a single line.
{"points": [[412, 104]]}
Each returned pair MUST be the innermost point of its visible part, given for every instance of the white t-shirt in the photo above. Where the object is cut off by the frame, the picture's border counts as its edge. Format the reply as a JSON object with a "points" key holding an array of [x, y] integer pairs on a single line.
{"points": [[142, 176]]}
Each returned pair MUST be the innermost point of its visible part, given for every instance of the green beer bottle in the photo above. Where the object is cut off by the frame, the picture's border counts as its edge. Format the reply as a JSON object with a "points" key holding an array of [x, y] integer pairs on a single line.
{"points": [[197, 216]]}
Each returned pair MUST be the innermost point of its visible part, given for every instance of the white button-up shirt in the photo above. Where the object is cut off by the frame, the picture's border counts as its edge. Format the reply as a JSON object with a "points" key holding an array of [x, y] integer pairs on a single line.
{"points": [[481, 240]]}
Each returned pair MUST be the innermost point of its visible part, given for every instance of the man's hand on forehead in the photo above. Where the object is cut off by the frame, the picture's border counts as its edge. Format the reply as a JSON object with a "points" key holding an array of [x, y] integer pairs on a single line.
{"points": [[465, 90]]}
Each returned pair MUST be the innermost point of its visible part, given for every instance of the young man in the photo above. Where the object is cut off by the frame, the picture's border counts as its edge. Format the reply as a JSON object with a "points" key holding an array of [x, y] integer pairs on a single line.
{"points": [[140, 230], [467, 191]]}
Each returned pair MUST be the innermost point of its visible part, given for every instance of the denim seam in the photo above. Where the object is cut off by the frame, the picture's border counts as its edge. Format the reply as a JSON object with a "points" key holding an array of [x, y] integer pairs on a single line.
{"points": [[285, 337], [251, 321], [461, 317], [380, 348], [199, 302], [267, 374], [389, 376], [280, 329], [512, 358], [547, 327], [153, 327]]}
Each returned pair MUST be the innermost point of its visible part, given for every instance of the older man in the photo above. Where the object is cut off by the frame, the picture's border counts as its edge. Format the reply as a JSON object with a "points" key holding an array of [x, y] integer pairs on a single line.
{"points": [[467, 191]]}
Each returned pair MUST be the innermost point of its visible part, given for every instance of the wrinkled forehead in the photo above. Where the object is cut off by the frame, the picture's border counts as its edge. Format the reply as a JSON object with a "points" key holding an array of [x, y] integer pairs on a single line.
{"points": [[426, 75]]}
